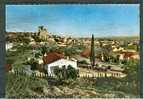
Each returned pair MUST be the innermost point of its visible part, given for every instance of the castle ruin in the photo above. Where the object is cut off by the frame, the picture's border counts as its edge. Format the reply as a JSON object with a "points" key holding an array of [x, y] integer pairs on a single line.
{"points": [[42, 33]]}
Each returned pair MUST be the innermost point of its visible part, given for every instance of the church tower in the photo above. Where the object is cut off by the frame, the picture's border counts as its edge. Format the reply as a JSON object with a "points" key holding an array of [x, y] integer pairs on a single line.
{"points": [[42, 33]]}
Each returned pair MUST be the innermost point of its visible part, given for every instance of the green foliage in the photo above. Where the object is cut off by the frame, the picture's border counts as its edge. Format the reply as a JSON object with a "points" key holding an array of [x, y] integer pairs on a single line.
{"points": [[24, 86], [37, 55], [92, 56], [17, 58], [107, 52], [23, 39], [105, 83], [48, 48], [78, 47], [65, 73], [58, 73], [44, 50], [115, 58], [36, 38], [72, 73], [131, 69], [9, 60], [33, 63], [83, 62], [128, 84], [114, 84], [134, 47], [69, 51]]}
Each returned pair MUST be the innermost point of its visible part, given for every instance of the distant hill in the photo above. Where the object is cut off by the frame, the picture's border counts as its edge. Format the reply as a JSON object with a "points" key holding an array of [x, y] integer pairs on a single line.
{"points": [[118, 38], [128, 38]]}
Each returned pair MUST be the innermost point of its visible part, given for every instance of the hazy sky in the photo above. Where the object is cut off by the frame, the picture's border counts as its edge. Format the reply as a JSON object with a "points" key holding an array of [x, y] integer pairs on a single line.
{"points": [[76, 19]]}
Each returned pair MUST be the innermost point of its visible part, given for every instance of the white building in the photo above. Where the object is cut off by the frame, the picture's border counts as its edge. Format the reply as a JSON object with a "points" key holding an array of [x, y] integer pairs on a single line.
{"points": [[60, 63], [9, 46], [54, 59]]}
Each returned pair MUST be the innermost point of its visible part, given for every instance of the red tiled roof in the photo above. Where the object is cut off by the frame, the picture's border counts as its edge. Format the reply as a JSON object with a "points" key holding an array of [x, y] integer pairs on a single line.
{"points": [[51, 57], [128, 54], [85, 53]]}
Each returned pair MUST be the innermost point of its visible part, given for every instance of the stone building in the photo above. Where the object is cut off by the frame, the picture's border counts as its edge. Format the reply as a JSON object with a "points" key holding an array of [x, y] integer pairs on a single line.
{"points": [[42, 33]]}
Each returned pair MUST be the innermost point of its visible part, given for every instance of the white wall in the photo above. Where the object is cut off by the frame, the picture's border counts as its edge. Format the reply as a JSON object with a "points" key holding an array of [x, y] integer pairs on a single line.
{"points": [[61, 63], [9, 46]]}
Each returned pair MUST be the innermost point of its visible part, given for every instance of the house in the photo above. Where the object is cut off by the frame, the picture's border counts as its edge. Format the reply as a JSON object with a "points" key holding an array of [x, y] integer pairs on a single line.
{"points": [[32, 43], [136, 56], [54, 59], [85, 53], [51, 40], [129, 54], [9, 46], [115, 49]]}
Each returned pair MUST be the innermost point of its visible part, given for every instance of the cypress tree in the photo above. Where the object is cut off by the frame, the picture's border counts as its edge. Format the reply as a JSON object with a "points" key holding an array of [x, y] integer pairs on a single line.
{"points": [[92, 54]]}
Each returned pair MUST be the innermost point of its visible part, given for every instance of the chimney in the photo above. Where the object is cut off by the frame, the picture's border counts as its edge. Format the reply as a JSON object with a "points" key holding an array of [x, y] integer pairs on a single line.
{"points": [[68, 57], [45, 54]]}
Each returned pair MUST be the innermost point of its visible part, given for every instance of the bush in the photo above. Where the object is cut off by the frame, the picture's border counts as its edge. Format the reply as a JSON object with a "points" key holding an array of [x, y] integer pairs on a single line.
{"points": [[58, 73], [116, 84], [83, 62], [24, 86], [72, 73], [65, 73]]}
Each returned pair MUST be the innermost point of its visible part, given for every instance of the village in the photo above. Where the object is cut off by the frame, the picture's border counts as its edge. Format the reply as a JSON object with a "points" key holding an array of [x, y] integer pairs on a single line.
{"points": [[49, 51], [65, 66], [72, 51]]}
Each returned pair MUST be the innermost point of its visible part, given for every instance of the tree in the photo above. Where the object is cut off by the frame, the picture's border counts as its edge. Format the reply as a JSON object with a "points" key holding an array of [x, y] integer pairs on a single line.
{"points": [[69, 51], [71, 72], [65, 73], [132, 78], [23, 39], [58, 72], [92, 54], [33, 63], [107, 52], [9, 60], [43, 50]]}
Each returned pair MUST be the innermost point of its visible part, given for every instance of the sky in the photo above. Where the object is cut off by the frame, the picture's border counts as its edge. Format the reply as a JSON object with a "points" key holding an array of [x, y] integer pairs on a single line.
{"points": [[78, 20]]}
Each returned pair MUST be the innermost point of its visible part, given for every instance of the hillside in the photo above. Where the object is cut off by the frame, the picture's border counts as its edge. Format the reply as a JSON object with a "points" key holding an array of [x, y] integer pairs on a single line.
{"points": [[25, 86]]}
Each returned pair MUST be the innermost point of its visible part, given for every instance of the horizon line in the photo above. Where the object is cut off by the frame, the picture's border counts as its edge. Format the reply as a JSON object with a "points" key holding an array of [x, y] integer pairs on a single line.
{"points": [[77, 36]]}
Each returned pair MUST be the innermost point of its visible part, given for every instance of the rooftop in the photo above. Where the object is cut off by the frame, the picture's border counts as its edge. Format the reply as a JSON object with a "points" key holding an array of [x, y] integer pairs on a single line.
{"points": [[51, 57]]}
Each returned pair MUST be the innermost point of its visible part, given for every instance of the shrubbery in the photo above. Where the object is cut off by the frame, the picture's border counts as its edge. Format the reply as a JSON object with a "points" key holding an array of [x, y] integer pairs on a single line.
{"points": [[24, 86], [65, 73]]}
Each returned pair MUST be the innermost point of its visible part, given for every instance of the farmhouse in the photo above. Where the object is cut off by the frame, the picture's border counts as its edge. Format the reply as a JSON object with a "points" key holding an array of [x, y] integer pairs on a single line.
{"points": [[54, 59], [128, 54]]}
